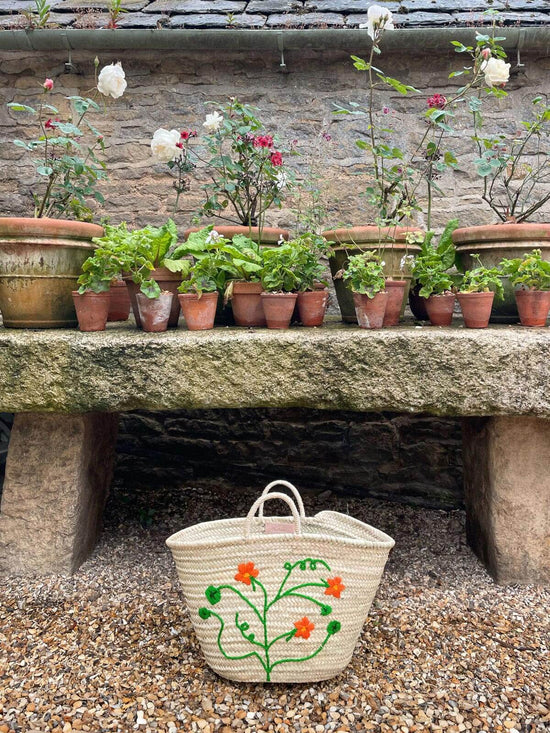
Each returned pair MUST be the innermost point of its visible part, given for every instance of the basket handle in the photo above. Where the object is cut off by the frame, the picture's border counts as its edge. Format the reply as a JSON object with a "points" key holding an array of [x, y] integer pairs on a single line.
{"points": [[260, 501], [290, 487]]}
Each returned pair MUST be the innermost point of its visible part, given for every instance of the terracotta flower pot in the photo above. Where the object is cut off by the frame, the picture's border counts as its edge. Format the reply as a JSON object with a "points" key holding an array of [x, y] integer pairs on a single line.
{"points": [[246, 303], [91, 310], [440, 309], [533, 306], [199, 313], [370, 311], [396, 294], [40, 262], [312, 306], [389, 242], [269, 235], [120, 306], [278, 308], [492, 243], [476, 308], [169, 281], [155, 312]]}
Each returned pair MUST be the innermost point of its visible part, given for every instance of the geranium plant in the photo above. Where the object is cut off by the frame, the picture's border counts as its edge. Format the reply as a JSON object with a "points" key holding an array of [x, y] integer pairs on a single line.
{"points": [[529, 272], [65, 152], [99, 272], [364, 274], [245, 167], [206, 275], [481, 279], [431, 267]]}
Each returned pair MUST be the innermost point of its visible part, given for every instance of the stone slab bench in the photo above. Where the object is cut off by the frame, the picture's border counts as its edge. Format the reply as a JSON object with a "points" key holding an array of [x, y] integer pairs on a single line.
{"points": [[67, 389]]}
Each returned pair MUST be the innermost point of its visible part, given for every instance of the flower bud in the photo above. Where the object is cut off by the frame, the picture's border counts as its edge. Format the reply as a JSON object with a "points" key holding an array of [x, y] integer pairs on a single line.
{"points": [[486, 53]]}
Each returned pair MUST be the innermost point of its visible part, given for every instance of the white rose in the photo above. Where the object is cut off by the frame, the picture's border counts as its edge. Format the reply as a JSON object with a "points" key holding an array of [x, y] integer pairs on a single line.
{"points": [[282, 180], [496, 72], [163, 145], [213, 122], [112, 80], [378, 19]]}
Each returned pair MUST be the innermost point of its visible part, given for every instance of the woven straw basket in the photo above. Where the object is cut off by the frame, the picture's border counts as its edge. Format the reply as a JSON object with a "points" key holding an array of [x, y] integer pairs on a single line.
{"points": [[279, 599]]}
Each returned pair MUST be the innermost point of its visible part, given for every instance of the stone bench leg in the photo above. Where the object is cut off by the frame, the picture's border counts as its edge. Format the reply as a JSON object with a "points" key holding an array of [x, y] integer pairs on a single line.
{"points": [[58, 471], [507, 494]]}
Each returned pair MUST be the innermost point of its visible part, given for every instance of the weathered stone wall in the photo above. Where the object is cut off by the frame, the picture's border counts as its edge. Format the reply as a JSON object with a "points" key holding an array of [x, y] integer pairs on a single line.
{"points": [[172, 90], [415, 459]]}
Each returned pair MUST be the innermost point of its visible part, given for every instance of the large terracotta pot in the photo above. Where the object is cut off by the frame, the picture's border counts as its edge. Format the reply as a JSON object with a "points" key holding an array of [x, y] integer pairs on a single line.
{"points": [[493, 242], [167, 280], [389, 242], [270, 235], [40, 262]]}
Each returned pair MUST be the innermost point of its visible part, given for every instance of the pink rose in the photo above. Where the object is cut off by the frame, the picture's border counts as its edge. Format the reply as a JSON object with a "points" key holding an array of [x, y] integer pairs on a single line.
{"points": [[48, 85]]}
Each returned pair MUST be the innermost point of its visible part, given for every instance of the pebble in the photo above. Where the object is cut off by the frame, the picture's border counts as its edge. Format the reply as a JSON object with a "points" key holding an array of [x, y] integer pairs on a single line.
{"points": [[112, 648]]}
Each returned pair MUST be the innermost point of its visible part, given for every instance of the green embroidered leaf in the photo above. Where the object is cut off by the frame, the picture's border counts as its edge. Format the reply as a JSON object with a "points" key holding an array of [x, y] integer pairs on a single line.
{"points": [[213, 594], [334, 627], [204, 613]]}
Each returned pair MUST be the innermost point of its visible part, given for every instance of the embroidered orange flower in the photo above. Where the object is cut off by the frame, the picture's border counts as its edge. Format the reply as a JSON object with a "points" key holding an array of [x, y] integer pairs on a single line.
{"points": [[335, 587], [246, 571], [304, 628]]}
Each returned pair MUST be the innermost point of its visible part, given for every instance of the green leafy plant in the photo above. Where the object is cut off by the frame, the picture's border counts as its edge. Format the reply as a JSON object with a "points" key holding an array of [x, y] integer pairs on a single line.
{"points": [[99, 271], [364, 273], [308, 269], [115, 11], [206, 275], [258, 607], [529, 272], [280, 268], [482, 279], [68, 165], [247, 175], [39, 16], [141, 251], [431, 267]]}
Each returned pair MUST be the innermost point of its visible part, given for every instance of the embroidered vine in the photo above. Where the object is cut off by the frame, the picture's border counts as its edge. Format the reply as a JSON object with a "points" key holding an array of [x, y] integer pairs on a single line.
{"points": [[302, 628]]}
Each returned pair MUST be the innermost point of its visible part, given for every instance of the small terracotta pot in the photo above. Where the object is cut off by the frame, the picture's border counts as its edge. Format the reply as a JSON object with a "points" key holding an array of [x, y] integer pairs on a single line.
{"points": [[91, 310], [120, 306], [370, 311], [440, 309], [169, 281], [278, 308], [533, 306], [476, 308], [155, 312], [199, 313], [394, 306], [246, 303], [417, 304], [312, 306]]}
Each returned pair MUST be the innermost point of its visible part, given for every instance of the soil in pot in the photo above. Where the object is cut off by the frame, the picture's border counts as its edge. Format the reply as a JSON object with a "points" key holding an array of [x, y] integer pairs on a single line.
{"points": [[155, 312], [312, 306], [533, 307], [370, 311], [120, 306], [40, 262], [394, 305], [390, 242], [246, 302], [199, 313], [440, 309], [278, 308], [493, 242], [476, 308], [91, 310]]}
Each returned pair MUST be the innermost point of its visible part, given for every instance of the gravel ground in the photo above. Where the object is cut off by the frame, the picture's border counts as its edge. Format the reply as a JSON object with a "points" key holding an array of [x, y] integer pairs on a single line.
{"points": [[112, 648]]}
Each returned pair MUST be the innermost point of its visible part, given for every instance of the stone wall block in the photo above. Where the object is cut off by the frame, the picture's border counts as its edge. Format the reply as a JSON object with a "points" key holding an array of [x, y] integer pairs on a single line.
{"points": [[58, 471]]}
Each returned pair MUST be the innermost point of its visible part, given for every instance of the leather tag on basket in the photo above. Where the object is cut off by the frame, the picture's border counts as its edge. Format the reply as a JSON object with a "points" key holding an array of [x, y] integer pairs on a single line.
{"points": [[278, 528]]}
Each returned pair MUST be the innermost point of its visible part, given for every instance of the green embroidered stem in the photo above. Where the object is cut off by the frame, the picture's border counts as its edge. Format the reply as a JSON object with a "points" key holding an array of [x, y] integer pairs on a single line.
{"points": [[299, 659], [244, 626], [288, 636], [290, 591], [324, 606], [230, 656], [290, 567], [245, 599]]}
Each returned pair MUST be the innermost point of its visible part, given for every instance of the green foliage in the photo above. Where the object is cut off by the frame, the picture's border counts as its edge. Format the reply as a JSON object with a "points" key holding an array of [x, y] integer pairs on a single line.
{"points": [[529, 272], [482, 279], [67, 159], [206, 275], [308, 269], [278, 273], [99, 271], [431, 267], [245, 182], [39, 16], [364, 273], [140, 251]]}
